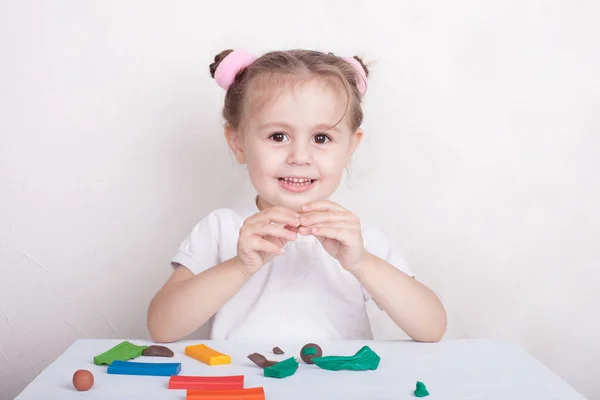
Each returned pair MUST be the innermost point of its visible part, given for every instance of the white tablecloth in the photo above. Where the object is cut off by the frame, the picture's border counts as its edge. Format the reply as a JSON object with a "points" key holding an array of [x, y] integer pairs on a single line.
{"points": [[453, 369]]}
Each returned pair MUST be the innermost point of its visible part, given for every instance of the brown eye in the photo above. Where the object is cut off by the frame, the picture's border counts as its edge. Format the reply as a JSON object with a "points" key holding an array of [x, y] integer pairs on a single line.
{"points": [[322, 138], [278, 137]]}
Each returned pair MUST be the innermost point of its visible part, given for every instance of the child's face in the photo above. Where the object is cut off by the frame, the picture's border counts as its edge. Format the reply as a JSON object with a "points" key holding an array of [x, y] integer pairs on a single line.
{"points": [[293, 155]]}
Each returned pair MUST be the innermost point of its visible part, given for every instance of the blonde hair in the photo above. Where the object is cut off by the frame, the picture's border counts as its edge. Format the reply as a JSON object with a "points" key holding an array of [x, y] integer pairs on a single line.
{"points": [[277, 68]]}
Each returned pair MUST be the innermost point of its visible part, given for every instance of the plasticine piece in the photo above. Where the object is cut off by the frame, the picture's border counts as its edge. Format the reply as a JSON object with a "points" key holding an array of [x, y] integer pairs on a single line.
{"points": [[207, 382], [83, 380], [261, 360], [157, 351], [421, 390], [256, 393], [310, 351], [123, 351], [205, 354], [277, 350], [282, 369], [363, 360], [138, 368]]}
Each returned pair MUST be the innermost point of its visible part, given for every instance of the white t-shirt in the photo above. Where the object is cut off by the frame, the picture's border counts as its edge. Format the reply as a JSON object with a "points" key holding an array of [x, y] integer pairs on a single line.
{"points": [[301, 295]]}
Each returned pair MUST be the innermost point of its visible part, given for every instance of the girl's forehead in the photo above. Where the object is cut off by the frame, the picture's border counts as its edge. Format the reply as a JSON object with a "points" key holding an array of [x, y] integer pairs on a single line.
{"points": [[312, 101]]}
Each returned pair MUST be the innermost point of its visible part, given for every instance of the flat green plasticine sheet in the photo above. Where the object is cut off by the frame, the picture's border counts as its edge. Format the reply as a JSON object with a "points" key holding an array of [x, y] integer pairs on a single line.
{"points": [[123, 351], [364, 359]]}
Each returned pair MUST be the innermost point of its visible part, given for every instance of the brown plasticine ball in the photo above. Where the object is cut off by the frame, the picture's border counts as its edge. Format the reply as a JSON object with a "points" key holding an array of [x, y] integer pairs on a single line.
{"points": [[310, 351], [83, 380]]}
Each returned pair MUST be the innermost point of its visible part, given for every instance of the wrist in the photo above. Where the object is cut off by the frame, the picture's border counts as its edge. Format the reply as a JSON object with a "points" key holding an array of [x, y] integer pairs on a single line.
{"points": [[362, 265], [244, 271]]}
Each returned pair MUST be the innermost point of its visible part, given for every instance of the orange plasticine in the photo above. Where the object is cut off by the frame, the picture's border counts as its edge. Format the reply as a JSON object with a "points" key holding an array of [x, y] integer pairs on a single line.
{"points": [[233, 394], [205, 354]]}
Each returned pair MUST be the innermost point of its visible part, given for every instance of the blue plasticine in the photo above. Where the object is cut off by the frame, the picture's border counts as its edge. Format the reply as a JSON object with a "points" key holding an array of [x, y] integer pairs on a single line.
{"points": [[139, 368]]}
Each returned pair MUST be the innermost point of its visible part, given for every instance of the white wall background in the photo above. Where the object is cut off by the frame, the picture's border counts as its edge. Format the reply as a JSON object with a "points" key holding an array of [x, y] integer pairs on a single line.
{"points": [[481, 160]]}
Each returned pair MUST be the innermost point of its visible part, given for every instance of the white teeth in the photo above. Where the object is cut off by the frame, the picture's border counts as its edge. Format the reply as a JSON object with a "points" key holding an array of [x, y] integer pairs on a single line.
{"points": [[296, 181]]}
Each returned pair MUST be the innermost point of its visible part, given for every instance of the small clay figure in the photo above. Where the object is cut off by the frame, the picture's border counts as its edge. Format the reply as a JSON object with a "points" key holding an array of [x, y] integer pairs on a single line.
{"points": [[421, 390], [310, 351]]}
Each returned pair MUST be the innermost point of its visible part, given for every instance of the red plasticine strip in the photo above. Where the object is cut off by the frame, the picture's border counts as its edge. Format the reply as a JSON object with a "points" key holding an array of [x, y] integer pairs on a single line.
{"points": [[207, 382], [236, 394]]}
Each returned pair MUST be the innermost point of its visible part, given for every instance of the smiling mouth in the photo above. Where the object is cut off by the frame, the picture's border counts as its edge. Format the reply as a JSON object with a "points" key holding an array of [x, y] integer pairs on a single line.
{"points": [[297, 181]]}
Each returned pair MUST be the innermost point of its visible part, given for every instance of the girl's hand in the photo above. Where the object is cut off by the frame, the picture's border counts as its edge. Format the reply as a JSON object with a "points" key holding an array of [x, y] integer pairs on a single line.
{"points": [[337, 229], [263, 235]]}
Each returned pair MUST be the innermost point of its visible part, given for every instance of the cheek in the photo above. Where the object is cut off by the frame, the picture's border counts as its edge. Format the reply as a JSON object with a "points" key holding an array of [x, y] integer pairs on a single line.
{"points": [[261, 160], [332, 164]]}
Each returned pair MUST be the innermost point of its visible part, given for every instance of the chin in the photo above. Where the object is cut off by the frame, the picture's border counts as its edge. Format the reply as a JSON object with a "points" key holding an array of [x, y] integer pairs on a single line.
{"points": [[296, 206], [278, 196], [294, 203]]}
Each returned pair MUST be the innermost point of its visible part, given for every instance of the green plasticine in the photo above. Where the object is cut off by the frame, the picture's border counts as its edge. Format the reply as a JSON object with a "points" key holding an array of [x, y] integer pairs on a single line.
{"points": [[421, 390], [364, 359], [282, 369], [309, 350], [123, 351]]}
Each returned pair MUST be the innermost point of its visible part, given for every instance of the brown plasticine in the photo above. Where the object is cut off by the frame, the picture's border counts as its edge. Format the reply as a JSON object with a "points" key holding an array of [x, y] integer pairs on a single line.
{"points": [[261, 360], [157, 351]]}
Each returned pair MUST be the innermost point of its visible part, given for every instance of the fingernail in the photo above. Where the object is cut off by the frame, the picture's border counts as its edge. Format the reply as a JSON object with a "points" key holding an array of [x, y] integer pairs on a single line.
{"points": [[281, 251], [305, 207]]}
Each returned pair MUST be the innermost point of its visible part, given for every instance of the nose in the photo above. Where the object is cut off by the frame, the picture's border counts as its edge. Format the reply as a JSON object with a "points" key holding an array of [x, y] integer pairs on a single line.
{"points": [[299, 154]]}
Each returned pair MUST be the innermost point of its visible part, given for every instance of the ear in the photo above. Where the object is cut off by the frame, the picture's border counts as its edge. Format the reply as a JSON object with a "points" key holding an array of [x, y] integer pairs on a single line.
{"points": [[356, 139], [234, 141]]}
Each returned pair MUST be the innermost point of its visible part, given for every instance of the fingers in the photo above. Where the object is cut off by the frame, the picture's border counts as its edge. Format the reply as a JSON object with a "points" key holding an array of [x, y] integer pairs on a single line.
{"points": [[317, 217], [263, 229], [347, 225], [291, 228], [278, 215], [257, 243], [322, 205], [264, 234], [342, 235], [347, 232]]}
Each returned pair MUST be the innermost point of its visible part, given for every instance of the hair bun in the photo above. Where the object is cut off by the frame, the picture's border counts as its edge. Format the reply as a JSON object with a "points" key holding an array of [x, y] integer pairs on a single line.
{"points": [[362, 64], [218, 58]]}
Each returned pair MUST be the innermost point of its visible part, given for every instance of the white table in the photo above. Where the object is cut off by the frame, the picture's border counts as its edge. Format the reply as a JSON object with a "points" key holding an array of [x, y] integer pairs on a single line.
{"points": [[453, 369]]}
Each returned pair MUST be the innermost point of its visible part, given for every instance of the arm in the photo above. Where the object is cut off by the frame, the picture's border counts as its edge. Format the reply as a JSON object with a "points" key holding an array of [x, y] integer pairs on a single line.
{"points": [[410, 304], [187, 301]]}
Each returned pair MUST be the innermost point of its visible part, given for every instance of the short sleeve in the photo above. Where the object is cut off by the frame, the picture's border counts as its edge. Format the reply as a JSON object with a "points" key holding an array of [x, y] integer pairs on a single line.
{"points": [[200, 249], [378, 244]]}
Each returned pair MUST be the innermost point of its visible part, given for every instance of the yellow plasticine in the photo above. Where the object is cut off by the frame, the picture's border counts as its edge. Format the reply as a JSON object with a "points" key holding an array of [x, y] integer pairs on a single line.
{"points": [[205, 354]]}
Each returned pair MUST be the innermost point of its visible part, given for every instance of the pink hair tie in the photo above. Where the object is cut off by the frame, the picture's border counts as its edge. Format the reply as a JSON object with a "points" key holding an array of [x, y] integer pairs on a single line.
{"points": [[231, 65], [362, 75]]}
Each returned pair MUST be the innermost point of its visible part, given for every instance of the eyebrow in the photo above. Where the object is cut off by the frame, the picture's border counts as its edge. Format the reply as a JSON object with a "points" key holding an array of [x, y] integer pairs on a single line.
{"points": [[275, 124]]}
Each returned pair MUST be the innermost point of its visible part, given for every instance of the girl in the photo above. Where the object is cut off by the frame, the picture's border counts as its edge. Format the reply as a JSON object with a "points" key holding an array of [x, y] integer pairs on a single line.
{"points": [[292, 266]]}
